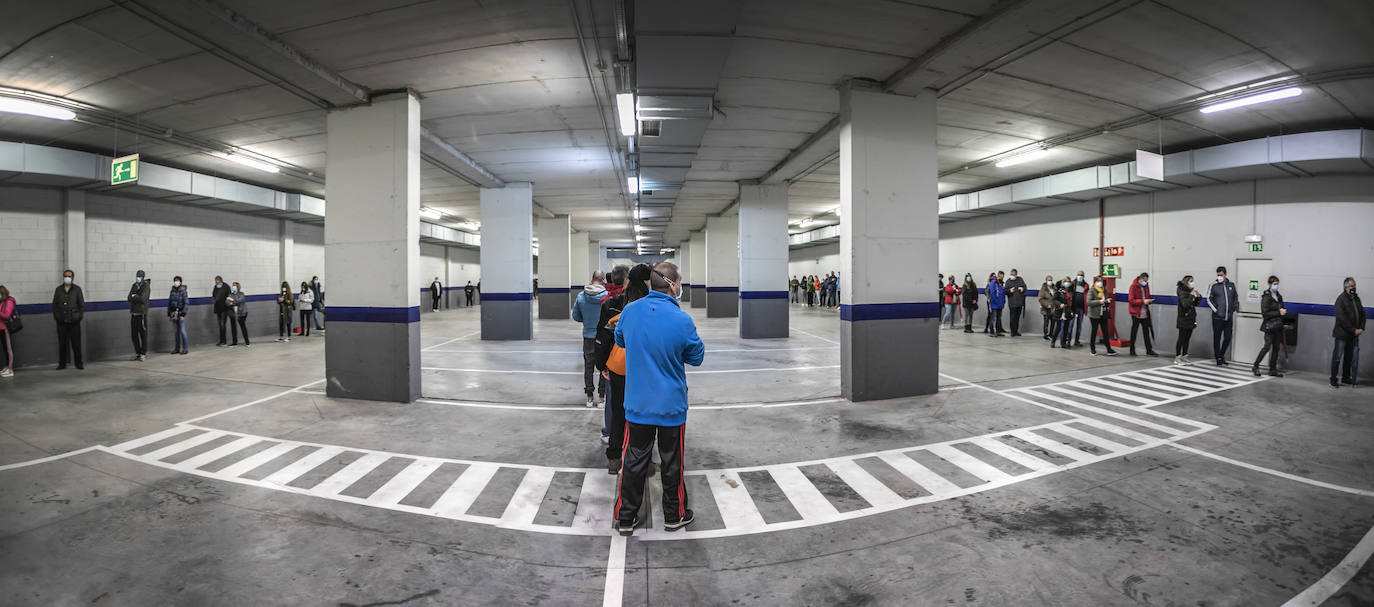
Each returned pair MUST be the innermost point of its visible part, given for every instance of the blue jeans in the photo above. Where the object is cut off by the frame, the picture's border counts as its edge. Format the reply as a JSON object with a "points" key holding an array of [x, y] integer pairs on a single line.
{"points": [[1066, 327], [1077, 326], [948, 316], [1221, 337], [179, 331], [1345, 359]]}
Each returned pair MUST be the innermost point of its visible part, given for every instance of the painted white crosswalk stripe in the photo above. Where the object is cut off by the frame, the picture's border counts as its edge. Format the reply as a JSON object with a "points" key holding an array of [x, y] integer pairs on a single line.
{"points": [[969, 463], [803, 495], [229, 448], [463, 492], [1017, 456], [351, 473], [524, 504], [405, 481], [1128, 433], [1053, 446], [736, 507], [596, 502], [305, 464], [247, 464], [175, 448], [1116, 394], [150, 439], [871, 489], [1106, 412], [923, 476], [1090, 438], [1198, 383]]}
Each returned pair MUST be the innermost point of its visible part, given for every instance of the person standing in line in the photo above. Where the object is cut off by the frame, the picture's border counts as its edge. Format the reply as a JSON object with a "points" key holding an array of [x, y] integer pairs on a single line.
{"points": [[68, 309], [1188, 298], [610, 358], [1139, 304], [970, 294], [997, 299], [1046, 299], [138, 315], [587, 310], [467, 292], [7, 309], [1224, 301], [1271, 323], [176, 313], [810, 292], [1099, 313], [659, 339], [305, 302], [940, 297], [1078, 294], [950, 299], [318, 312], [1016, 301], [1350, 320], [219, 294], [238, 306], [436, 290], [1060, 314], [794, 290], [285, 306]]}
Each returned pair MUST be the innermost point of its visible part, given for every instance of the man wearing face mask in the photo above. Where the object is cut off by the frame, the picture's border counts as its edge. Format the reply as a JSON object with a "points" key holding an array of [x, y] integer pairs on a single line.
{"points": [[1139, 305], [1078, 294], [997, 299], [68, 308], [220, 295], [1271, 323], [1224, 301], [1350, 319], [138, 315], [1016, 301]]}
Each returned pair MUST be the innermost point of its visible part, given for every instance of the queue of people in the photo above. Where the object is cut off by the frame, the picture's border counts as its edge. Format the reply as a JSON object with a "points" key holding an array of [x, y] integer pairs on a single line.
{"points": [[816, 291]]}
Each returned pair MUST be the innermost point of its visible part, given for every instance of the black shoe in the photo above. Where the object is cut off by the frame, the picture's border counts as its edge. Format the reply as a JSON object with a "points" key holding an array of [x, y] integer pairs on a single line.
{"points": [[1133, 353], [1052, 345], [1275, 374], [61, 366], [1078, 344], [627, 528], [1045, 337], [1347, 380], [680, 523], [1224, 363], [1334, 383], [1219, 364], [1111, 352], [1255, 370], [968, 330], [80, 366], [1150, 353]]}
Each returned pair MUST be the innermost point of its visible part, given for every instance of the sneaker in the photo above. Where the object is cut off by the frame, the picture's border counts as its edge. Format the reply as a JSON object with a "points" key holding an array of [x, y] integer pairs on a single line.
{"points": [[1347, 380], [220, 345], [281, 339], [605, 440], [286, 339], [1151, 353], [134, 358], [6, 373], [591, 402], [613, 466], [1224, 363], [1111, 352], [627, 528], [1221, 364], [234, 345], [142, 357], [247, 345], [680, 523], [1334, 383]]}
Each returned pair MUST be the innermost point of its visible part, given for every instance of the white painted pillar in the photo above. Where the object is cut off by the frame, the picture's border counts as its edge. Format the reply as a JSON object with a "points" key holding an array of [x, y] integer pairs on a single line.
{"points": [[594, 257], [507, 266], [684, 267], [889, 245], [698, 267], [372, 250], [581, 266], [722, 267], [763, 308], [555, 267]]}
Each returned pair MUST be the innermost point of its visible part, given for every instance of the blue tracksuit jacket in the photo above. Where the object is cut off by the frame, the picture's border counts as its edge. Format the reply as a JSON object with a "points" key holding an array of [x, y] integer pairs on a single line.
{"points": [[659, 338]]}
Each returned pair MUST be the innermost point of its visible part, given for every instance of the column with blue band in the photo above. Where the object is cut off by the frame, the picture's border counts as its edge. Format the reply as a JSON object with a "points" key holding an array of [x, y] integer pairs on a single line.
{"points": [[889, 244], [763, 309], [722, 267], [373, 350], [507, 233], [555, 257], [698, 269]]}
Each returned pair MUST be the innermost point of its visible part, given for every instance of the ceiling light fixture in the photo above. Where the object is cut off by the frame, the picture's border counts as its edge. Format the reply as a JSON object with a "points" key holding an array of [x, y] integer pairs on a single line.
{"points": [[249, 162], [633, 183], [1021, 158], [34, 108], [625, 109], [1292, 91], [429, 213], [807, 222]]}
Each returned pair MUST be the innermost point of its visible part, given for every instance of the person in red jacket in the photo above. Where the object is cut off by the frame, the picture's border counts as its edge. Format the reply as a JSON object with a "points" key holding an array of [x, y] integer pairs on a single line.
{"points": [[951, 301], [1140, 301]]}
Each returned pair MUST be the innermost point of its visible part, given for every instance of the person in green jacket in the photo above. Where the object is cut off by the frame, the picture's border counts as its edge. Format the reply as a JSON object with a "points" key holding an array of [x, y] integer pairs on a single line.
{"points": [[285, 306]]}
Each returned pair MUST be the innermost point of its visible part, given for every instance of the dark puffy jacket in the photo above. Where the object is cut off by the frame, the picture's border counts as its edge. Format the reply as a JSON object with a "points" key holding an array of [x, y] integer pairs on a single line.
{"points": [[138, 298], [68, 305], [219, 294], [1016, 292], [238, 303], [1270, 305], [1349, 316], [1223, 300], [1187, 306], [970, 295], [176, 302], [605, 336]]}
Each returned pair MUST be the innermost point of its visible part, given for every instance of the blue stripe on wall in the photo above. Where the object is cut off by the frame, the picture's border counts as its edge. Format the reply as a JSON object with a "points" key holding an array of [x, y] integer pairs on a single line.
{"points": [[379, 315], [889, 311], [106, 306], [507, 296], [722, 289], [763, 294]]}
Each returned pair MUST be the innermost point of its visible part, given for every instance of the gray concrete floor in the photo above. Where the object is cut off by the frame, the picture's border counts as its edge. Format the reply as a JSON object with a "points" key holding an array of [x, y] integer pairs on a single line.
{"points": [[1176, 514]]}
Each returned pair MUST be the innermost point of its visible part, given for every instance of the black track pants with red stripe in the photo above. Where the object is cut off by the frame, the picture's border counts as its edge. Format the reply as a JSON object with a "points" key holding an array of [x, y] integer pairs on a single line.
{"points": [[636, 457]]}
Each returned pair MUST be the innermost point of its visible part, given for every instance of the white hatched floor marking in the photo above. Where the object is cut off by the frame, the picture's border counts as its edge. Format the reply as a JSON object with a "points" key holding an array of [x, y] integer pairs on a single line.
{"points": [[247, 464], [405, 481], [1018, 456], [1135, 386], [529, 496], [1128, 433], [733, 501], [294, 471], [1113, 393], [1090, 438], [1198, 383], [351, 473], [175, 448], [803, 495], [596, 501], [969, 463], [233, 446], [463, 492], [871, 489], [923, 476], [1109, 413], [1053, 446]]}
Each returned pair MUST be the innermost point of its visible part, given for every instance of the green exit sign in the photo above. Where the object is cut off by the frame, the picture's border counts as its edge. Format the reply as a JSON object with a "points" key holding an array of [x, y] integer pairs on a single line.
{"points": [[124, 170], [1254, 285], [1111, 270], [1256, 247]]}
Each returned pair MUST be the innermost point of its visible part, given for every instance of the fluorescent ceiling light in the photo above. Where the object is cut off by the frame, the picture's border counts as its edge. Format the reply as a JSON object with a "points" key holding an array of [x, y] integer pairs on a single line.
{"points": [[633, 183], [625, 109], [1293, 91], [639, 228], [249, 162], [429, 213], [34, 108], [836, 211], [807, 222], [1020, 158], [641, 237]]}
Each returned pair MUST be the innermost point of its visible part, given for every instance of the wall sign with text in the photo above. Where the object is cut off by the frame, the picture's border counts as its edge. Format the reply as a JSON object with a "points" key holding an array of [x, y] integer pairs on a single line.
{"points": [[1109, 252]]}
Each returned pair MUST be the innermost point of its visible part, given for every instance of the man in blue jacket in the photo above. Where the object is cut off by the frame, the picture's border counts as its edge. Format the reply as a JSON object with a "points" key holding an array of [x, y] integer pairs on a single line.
{"points": [[997, 299], [587, 310], [658, 338], [1224, 301]]}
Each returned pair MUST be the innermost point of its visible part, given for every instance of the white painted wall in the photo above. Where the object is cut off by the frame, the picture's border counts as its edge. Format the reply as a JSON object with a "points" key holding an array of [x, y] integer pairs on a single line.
{"points": [[464, 265], [819, 260], [308, 253], [31, 229]]}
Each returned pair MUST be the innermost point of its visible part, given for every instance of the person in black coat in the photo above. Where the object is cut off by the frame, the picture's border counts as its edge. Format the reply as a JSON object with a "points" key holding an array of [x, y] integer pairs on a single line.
{"points": [[68, 308], [220, 295], [1188, 297], [467, 292], [1016, 301], [1272, 310], [1350, 319], [970, 296]]}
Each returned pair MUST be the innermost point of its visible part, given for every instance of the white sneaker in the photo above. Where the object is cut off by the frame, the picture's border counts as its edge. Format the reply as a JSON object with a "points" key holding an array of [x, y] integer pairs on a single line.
{"points": [[6, 373], [286, 339], [591, 402], [135, 358]]}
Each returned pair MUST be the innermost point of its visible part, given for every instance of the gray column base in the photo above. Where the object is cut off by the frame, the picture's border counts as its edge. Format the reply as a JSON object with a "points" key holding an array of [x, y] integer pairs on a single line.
{"points": [[762, 318], [882, 359], [373, 361], [554, 306], [700, 300], [722, 304], [507, 320], [687, 293]]}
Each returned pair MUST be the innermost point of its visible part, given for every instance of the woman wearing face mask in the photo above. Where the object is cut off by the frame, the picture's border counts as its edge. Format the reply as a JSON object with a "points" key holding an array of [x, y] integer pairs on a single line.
{"points": [[238, 314], [306, 303], [285, 306], [1060, 313], [951, 301], [970, 295], [1271, 306], [176, 312], [1099, 312], [1187, 318], [7, 308], [1046, 299]]}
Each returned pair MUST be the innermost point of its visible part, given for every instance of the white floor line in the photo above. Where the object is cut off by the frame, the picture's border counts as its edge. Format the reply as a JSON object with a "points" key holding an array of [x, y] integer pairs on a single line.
{"points": [[825, 339], [578, 352], [256, 402], [1271, 471], [615, 573], [457, 403], [478, 332], [1334, 580], [710, 372], [43, 460]]}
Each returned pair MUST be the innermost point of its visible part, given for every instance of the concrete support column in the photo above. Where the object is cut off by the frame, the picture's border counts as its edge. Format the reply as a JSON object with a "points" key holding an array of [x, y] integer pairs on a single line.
{"points": [[507, 266], [286, 262], [722, 267], [581, 266], [698, 267], [74, 240], [448, 277], [889, 245], [763, 261], [594, 257], [555, 259], [684, 268], [372, 250]]}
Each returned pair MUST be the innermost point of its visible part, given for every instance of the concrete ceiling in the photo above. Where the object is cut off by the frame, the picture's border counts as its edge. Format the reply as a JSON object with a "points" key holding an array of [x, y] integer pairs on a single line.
{"points": [[506, 84]]}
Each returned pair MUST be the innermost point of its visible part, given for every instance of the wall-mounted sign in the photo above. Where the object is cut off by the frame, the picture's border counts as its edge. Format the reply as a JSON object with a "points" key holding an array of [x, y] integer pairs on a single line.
{"points": [[1111, 270], [1109, 252], [1254, 285], [124, 170], [1256, 247]]}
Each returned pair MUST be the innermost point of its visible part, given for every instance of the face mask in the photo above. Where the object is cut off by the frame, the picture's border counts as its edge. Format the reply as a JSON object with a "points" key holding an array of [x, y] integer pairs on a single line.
{"points": [[1097, 284], [66, 280], [1144, 283], [233, 289], [1274, 288], [1048, 283], [1080, 279], [317, 283], [1066, 283], [1221, 279], [1190, 284], [138, 279], [176, 283]]}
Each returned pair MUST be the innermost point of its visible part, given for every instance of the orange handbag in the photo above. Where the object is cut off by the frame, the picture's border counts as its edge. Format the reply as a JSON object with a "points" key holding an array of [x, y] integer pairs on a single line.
{"points": [[616, 361]]}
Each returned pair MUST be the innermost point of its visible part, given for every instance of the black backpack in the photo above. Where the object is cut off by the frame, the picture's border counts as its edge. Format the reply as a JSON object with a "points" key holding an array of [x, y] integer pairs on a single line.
{"points": [[16, 324]]}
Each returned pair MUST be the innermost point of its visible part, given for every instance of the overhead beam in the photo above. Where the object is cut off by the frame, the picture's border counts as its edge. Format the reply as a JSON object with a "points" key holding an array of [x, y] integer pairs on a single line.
{"points": [[463, 166]]}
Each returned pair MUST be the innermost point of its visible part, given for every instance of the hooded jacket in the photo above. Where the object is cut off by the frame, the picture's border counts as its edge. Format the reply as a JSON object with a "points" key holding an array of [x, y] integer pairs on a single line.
{"points": [[1350, 315], [997, 295], [1187, 306], [138, 298], [659, 338], [587, 309], [1137, 296], [176, 303], [951, 293], [1016, 292], [1223, 299]]}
